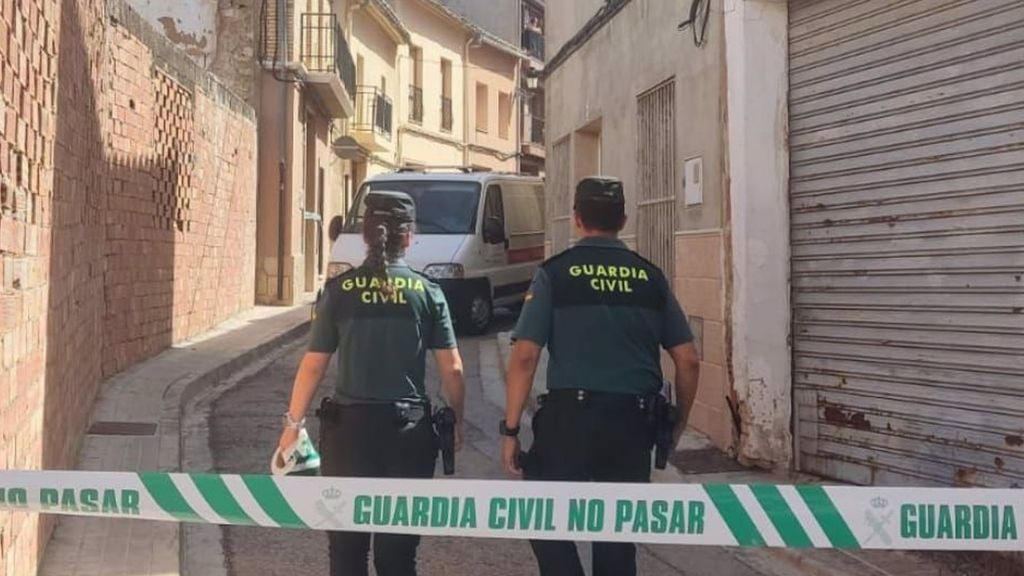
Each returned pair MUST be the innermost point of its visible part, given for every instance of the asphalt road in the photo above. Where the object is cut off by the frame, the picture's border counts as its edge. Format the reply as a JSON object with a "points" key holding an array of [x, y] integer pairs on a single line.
{"points": [[244, 427]]}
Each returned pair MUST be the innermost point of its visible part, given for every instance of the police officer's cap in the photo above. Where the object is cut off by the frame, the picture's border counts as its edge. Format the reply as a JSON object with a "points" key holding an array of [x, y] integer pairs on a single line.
{"points": [[395, 206], [600, 190]]}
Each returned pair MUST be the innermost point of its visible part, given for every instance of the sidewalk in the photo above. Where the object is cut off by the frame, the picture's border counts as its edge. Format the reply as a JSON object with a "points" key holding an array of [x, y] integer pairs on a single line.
{"points": [[136, 425], [716, 467]]}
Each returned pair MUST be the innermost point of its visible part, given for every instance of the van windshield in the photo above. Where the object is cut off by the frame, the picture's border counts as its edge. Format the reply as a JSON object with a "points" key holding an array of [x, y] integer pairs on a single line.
{"points": [[442, 206]]}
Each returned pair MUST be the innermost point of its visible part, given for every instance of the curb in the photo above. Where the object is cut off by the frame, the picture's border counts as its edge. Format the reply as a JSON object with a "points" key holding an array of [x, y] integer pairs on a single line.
{"points": [[192, 388], [180, 394]]}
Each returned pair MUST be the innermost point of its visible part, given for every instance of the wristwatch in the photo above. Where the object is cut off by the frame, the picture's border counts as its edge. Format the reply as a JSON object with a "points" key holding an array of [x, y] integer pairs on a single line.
{"points": [[504, 430], [290, 423]]}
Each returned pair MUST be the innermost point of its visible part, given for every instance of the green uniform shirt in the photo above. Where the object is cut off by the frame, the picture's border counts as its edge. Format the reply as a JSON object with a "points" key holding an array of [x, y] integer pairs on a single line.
{"points": [[603, 312], [381, 340]]}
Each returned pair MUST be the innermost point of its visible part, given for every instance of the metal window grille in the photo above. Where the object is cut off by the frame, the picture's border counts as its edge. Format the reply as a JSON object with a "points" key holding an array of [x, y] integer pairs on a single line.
{"points": [[558, 192], [656, 136]]}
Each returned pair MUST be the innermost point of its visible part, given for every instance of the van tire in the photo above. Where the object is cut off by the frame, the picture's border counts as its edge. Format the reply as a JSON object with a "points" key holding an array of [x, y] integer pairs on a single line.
{"points": [[477, 313]]}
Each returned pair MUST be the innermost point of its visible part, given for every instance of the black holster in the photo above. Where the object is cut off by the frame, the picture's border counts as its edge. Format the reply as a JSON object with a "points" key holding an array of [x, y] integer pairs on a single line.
{"points": [[664, 426], [444, 424]]}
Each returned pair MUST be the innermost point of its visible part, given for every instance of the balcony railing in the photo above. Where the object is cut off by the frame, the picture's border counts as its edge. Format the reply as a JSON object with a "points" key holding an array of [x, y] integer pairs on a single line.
{"points": [[446, 114], [533, 43], [373, 111], [323, 48], [415, 104]]}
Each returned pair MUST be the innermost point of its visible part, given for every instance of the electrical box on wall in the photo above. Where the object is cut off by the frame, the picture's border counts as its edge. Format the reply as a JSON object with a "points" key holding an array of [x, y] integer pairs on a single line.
{"points": [[693, 181]]}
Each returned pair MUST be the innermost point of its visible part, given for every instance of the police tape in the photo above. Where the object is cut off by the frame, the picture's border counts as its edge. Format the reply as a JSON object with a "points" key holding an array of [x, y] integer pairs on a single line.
{"points": [[800, 516]]}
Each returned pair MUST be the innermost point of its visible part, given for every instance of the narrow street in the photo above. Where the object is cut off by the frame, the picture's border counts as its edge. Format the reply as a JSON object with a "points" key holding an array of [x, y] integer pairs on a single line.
{"points": [[244, 428]]}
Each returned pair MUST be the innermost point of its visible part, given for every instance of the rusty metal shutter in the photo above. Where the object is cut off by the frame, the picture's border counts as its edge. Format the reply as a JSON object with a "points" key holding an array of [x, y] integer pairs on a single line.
{"points": [[907, 195], [656, 151]]}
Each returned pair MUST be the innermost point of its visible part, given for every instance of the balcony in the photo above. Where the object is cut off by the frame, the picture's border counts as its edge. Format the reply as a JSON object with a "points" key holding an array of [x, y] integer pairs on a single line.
{"points": [[533, 135], [309, 47], [446, 114], [372, 125], [324, 53], [533, 43], [415, 104]]}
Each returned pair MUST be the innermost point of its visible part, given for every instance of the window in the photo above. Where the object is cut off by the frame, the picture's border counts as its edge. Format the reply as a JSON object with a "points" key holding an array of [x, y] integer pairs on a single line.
{"points": [[416, 87], [482, 106], [656, 171], [447, 118], [416, 60], [384, 85], [442, 207], [494, 208], [446, 78], [504, 114]]}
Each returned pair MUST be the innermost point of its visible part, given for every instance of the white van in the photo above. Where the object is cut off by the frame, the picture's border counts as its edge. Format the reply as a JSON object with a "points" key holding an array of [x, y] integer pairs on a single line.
{"points": [[480, 235]]}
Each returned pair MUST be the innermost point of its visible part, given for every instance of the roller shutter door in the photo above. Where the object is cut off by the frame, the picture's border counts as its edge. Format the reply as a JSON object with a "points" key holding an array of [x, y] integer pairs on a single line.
{"points": [[907, 199]]}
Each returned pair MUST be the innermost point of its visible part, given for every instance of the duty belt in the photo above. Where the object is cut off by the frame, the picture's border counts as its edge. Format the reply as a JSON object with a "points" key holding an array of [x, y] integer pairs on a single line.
{"points": [[579, 395], [330, 408]]}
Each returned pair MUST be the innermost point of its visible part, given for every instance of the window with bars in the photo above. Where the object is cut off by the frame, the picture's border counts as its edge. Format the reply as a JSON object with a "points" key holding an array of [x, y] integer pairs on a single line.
{"points": [[656, 198], [560, 206]]}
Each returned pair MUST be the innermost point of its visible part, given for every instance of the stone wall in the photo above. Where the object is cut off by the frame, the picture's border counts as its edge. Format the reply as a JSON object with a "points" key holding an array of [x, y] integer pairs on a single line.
{"points": [[127, 221]]}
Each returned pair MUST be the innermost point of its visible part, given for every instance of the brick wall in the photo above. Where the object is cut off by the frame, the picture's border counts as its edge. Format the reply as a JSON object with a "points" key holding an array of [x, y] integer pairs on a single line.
{"points": [[127, 220]]}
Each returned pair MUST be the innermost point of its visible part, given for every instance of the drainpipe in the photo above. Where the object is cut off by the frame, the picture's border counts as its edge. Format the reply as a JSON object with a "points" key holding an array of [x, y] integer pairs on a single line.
{"points": [[517, 103], [473, 39], [397, 119], [282, 207]]}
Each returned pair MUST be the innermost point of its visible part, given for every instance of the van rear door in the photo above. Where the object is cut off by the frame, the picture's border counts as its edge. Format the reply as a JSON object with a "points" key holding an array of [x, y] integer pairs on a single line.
{"points": [[524, 222]]}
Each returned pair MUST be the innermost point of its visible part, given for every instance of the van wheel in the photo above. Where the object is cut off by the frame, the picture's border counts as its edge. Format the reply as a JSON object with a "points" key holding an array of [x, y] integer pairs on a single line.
{"points": [[478, 313]]}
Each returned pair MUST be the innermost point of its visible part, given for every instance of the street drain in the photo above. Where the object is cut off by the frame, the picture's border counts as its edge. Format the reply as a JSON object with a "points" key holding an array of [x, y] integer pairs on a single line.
{"points": [[704, 461], [122, 429]]}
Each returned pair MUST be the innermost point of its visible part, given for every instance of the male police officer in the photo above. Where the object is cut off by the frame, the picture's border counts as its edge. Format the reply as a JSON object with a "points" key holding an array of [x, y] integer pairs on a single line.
{"points": [[381, 319], [603, 312]]}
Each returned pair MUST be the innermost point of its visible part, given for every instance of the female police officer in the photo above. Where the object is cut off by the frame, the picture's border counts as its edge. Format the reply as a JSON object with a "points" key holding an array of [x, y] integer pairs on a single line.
{"points": [[380, 318]]}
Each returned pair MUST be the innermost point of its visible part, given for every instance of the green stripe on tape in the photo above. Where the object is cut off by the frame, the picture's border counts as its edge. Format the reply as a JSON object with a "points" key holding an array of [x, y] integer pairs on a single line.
{"points": [[219, 496], [828, 516], [167, 497], [269, 497], [736, 518], [782, 516]]}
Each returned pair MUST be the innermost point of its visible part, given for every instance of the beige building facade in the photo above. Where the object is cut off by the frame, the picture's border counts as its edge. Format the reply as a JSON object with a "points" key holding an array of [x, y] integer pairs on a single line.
{"points": [[378, 40], [434, 67], [493, 140], [421, 71], [307, 91]]}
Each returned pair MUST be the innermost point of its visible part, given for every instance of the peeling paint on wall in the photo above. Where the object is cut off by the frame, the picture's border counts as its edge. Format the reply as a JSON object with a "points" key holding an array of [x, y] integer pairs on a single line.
{"points": [[190, 24]]}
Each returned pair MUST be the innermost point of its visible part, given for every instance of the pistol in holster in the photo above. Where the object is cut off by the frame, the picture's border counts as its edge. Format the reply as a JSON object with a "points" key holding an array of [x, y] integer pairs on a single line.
{"points": [[444, 423], [664, 425]]}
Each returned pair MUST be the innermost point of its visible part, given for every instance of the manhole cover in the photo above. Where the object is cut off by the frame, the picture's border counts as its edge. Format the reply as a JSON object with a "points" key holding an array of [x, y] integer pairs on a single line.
{"points": [[704, 461], [122, 429]]}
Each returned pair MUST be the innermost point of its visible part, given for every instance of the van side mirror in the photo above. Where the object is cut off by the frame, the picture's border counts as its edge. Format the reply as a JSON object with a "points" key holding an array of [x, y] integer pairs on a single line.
{"points": [[494, 230], [335, 227]]}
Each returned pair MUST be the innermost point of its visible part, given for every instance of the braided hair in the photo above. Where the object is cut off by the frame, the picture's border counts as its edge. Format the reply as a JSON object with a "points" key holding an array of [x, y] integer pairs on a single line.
{"points": [[385, 242]]}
